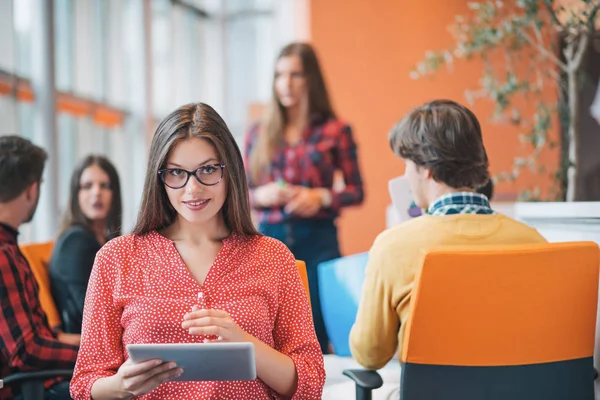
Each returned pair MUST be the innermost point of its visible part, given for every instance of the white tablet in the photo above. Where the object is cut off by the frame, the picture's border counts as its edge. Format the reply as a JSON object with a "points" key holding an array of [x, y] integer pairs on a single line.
{"points": [[202, 361]]}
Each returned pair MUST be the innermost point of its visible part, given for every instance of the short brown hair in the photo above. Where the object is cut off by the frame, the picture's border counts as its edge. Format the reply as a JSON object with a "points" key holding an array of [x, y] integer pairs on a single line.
{"points": [[197, 120], [444, 137], [21, 164]]}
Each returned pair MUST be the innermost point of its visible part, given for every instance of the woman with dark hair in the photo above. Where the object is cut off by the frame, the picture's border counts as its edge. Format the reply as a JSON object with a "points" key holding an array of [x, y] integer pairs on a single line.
{"points": [[195, 270], [93, 217], [292, 157]]}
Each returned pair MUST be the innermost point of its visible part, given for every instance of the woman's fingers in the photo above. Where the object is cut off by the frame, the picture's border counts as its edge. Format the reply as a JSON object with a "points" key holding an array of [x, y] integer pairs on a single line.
{"points": [[213, 323], [207, 321], [159, 377], [149, 379], [200, 313], [130, 369], [209, 330]]}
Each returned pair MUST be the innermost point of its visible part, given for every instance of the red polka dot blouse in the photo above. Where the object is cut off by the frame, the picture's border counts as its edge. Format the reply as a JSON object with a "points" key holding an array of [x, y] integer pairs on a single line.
{"points": [[140, 289]]}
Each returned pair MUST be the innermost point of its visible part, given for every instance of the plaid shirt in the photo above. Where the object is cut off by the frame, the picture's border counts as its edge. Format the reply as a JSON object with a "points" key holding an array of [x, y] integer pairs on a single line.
{"points": [[461, 203], [26, 340], [326, 147]]}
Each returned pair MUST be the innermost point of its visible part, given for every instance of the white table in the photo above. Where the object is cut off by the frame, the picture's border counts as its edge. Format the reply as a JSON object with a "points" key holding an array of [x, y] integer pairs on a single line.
{"points": [[565, 222]]}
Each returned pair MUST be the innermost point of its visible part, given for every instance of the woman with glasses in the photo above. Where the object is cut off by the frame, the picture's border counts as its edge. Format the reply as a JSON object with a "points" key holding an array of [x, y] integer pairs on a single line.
{"points": [[292, 158], [196, 270], [93, 217]]}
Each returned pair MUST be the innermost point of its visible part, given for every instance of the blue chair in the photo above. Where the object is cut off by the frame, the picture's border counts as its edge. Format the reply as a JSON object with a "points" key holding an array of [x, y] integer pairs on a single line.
{"points": [[340, 286]]}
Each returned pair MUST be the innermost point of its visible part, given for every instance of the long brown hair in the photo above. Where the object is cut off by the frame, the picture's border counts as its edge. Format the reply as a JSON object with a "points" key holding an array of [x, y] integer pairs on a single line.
{"points": [[197, 120], [274, 120], [74, 215]]}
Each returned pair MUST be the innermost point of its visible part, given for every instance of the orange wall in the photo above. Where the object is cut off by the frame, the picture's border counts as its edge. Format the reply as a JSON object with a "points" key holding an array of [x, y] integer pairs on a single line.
{"points": [[367, 49]]}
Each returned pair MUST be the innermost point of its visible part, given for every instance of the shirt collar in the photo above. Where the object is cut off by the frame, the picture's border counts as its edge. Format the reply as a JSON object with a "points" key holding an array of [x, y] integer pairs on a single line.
{"points": [[460, 200], [8, 232]]}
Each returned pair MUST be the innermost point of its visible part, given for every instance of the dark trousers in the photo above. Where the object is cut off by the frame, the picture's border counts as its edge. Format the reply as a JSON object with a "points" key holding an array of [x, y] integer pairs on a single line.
{"points": [[312, 241], [60, 391]]}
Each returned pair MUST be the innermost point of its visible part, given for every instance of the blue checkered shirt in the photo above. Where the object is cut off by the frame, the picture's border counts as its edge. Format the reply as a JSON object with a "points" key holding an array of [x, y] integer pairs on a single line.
{"points": [[461, 203]]}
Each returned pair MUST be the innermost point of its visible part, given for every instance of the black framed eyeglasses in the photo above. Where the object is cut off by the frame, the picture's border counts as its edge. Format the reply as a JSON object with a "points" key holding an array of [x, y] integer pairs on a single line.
{"points": [[176, 178]]}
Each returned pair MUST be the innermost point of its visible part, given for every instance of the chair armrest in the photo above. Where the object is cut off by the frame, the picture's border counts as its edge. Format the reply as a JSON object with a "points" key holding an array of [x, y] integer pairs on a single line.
{"points": [[364, 378], [20, 377], [366, 381], [32, 382]]}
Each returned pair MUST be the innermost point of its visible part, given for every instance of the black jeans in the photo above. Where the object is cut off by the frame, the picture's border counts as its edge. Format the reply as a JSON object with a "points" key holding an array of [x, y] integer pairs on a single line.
{"points": [[60, 391], [312, 241]]}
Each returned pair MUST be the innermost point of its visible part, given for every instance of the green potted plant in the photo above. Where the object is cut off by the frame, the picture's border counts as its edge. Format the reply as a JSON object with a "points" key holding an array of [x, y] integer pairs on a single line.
{"points": [[529, 48]]}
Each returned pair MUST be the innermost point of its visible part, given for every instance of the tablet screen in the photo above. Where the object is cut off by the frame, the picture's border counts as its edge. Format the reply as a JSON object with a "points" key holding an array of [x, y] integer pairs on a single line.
{"points": [[202, 361]]}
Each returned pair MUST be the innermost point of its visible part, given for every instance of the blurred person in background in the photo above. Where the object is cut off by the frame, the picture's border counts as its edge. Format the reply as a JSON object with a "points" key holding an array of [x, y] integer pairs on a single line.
{"points": [[27, 342], [93, 217], [292, 156]]}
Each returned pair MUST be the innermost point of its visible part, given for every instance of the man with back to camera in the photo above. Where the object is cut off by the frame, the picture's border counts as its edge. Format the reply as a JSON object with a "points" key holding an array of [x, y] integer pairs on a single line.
{"points": [[446, 162], [27, 343]]}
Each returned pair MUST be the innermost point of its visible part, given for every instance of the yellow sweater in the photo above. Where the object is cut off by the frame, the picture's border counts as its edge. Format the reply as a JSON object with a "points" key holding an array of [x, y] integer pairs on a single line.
{"points": [[390, 273]]}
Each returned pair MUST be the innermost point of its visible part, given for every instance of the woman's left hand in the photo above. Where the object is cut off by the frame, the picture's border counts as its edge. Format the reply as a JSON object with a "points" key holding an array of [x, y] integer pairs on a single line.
{"points": [[306, 203], [216, 323]]}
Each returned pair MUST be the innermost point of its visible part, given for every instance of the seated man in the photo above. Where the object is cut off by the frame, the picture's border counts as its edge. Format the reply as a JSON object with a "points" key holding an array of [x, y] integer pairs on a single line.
{"points": [[27, 343], [446, 162]]}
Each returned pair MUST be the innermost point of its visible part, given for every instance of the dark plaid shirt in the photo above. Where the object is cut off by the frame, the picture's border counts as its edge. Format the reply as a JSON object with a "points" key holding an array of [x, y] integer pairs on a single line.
{"points": [[26, 340], [327, 146], [461, 203], [455, 203]]}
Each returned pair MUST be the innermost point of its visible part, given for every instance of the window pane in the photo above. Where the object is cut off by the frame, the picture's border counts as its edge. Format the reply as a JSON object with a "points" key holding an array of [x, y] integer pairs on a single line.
{"points": [[7, 37], [116, 83], [100, 28], [182, 51], [89, 140], [250, 57], [26, 114], [67, 156], [63, 44], [85, 49], [23, 15], [162, 59], [131, 166], [8, 115]]}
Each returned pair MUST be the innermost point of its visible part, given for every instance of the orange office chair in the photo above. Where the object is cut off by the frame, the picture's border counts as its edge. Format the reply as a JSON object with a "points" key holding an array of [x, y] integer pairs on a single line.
{"points": [[304, 276], [32, 383], [501, 322], [38, 255]]}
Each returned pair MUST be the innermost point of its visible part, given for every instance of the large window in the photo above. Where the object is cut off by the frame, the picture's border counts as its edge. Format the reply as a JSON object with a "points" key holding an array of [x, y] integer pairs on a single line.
{"points": [[7, 37], [120, 68]]}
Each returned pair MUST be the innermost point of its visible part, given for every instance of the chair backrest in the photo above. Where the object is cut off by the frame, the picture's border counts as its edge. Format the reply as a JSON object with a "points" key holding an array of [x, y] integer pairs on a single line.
{"points": [[340, 289], [304, 276], [503, 322], [38, 255]]}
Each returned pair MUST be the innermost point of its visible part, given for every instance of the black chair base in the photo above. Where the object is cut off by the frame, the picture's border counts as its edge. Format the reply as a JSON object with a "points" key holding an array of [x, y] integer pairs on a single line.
{"points": [[32, 383]]}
